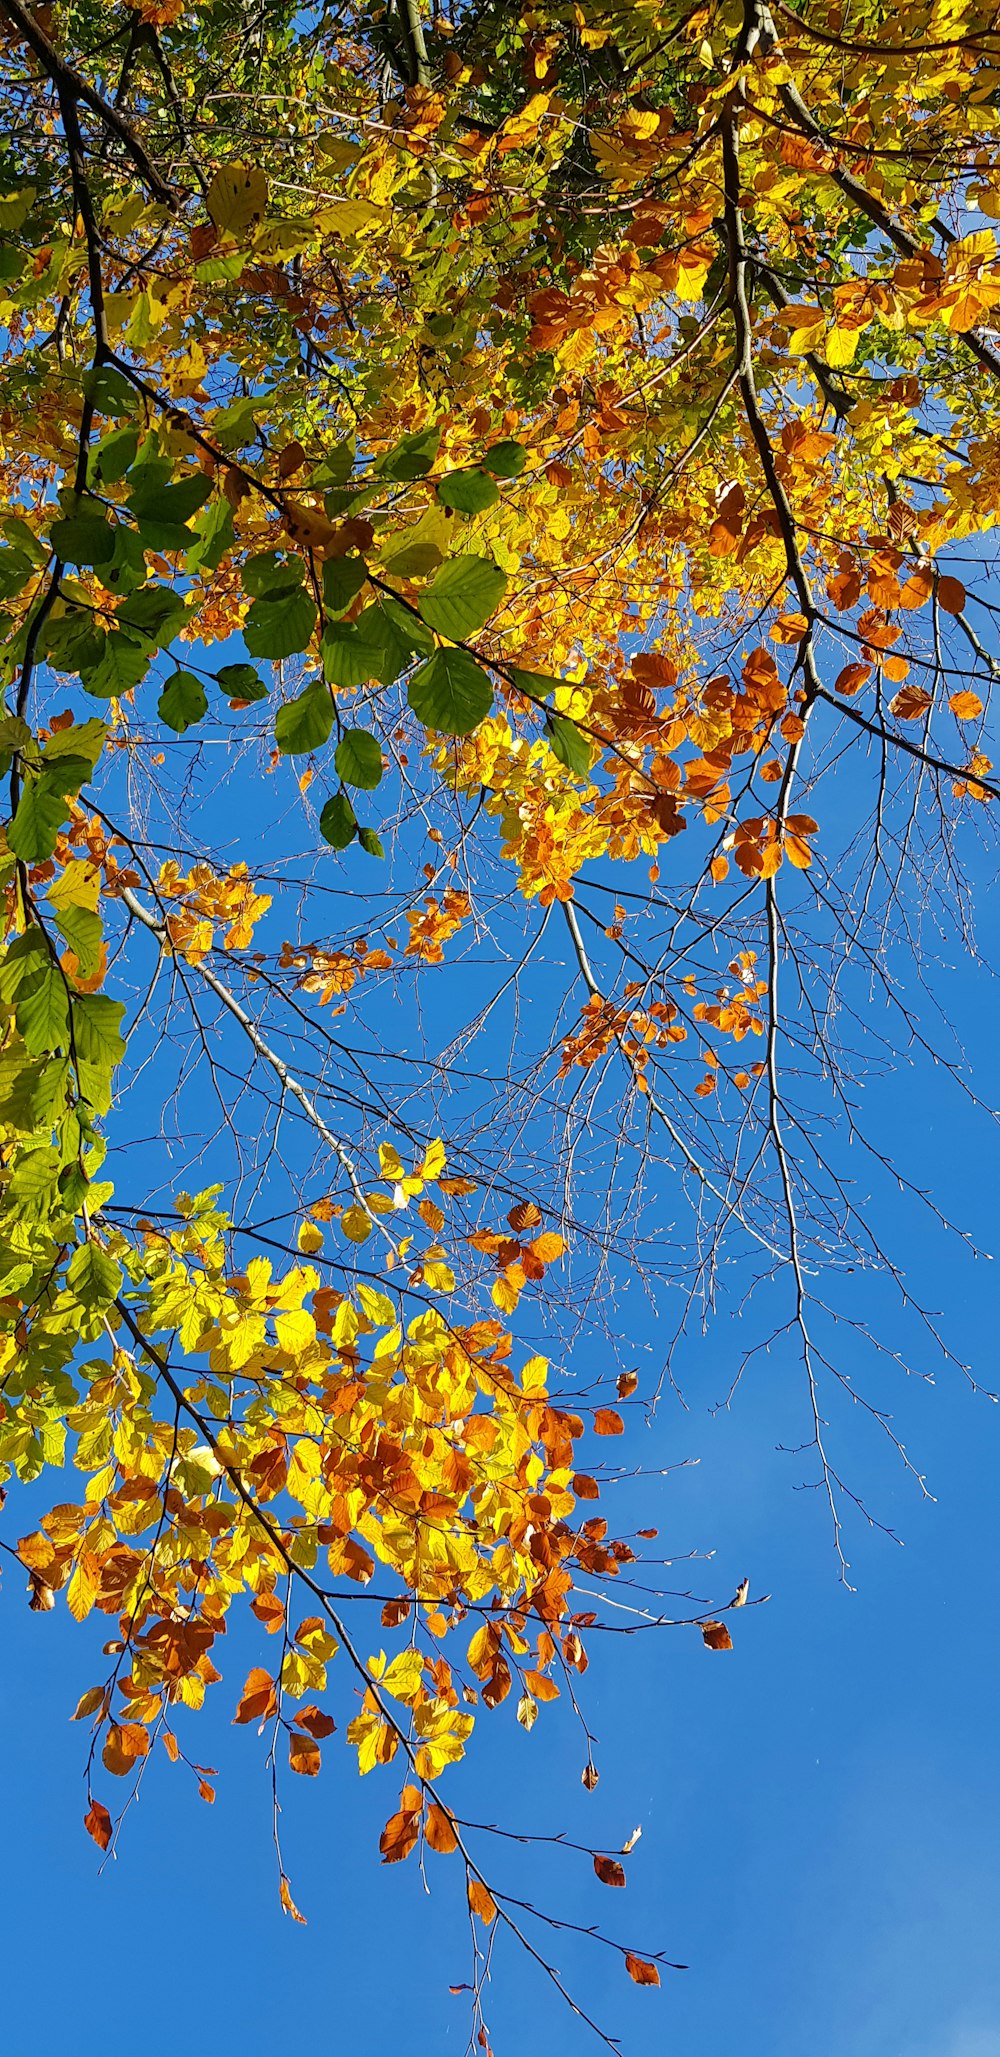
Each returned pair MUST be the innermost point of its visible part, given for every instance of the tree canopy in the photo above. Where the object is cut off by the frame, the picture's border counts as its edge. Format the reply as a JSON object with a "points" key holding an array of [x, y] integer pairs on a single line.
{"points": [[500, 488]]}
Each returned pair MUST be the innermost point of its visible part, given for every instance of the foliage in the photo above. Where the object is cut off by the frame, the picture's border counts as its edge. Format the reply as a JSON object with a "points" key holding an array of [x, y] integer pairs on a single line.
{"points": [[544, 430]]}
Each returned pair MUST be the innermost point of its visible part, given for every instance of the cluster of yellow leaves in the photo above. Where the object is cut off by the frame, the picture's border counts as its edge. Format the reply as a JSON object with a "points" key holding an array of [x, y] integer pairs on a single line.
{"points": [[209, 902]]}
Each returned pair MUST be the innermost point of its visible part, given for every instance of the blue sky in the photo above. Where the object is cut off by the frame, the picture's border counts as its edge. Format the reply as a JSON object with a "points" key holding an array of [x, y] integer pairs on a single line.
{"points": [[819, 1809]]}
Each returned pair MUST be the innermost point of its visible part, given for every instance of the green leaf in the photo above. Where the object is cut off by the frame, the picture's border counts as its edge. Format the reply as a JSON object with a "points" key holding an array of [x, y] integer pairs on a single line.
{"points": [[32, 1090], [98, 1043], [215, 535], [163, 511], [110, 392], [177, 502], [412, 457], [42, 1010], [338, 822], [123, 666], [240, 682], [462, 596], [372, 842], [92, 1276], [73, 642], [358, 759], [343, 578], [42, 809], [83, 539], [400, 632], [15, 571], [128, 565], [304, 724], [506, 460], [567, 743], [451, 693], [182, 702], [111, 460], [83, 932], [271, 573], [34, 1175], [281, 624], [85, 739], [350, 658], [468, 492], [156, 612]]}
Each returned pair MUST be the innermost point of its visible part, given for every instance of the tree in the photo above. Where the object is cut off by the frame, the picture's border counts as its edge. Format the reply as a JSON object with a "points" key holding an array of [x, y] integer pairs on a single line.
{"points": [[473, 453]]}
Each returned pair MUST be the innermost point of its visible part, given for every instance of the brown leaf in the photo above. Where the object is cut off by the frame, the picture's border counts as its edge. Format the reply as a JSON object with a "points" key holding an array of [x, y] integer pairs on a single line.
{"points": [[627, 1383], [315, 1722], [586, 1488], [524, 1215], [642, 1973], [97, 1822], [951, 594], [716, 1635], [303, 1754], [609, 1871], [910, 703], [590, 1776]]}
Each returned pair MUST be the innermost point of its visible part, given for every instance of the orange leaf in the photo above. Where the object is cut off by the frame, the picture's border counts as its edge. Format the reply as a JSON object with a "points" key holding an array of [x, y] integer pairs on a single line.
{"points": [[481, 1901], [123, 1746], [524, 1215], [258, 1700], [585, 1488], [97, 1822], [644, 1974], [966, 706], [608, 1423], [288, 1903], [304, 1755], [439, 1831], [627, 1383], [716, 1635], [851, 679], [609, 1871], [400, 1834]]}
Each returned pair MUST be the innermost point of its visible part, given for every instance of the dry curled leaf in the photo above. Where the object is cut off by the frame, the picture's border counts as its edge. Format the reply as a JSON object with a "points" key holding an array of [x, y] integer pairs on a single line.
{"points": [[716, 1635]]}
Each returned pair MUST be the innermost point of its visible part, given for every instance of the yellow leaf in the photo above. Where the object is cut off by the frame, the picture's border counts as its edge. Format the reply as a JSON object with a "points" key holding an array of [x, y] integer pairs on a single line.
{"points": [[310, 1238], [356, 1224], [236, 197], [841, 347], [83, 1587]]}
